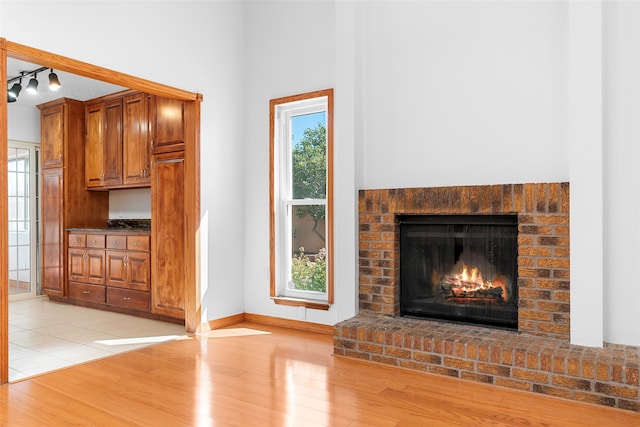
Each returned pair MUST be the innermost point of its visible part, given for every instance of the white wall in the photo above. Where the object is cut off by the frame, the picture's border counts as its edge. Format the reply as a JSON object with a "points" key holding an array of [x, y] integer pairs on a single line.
{"points": [[290, 49], [191, 45], [132, 203], [25, 124], [464, 93], [621, 148]]}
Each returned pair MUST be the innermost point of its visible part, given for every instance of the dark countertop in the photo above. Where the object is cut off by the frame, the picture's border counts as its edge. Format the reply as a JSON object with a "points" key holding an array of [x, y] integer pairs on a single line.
{"points": [[107, 230], [118, 226]]}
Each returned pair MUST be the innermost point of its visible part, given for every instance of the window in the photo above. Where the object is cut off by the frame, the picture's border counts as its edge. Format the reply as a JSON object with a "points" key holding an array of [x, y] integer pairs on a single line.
{"points": [[301, 199]]}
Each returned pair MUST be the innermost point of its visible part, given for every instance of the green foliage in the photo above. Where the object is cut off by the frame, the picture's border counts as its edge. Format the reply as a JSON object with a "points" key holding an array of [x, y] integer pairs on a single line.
{"points": [[309, 161], [309, 274]]}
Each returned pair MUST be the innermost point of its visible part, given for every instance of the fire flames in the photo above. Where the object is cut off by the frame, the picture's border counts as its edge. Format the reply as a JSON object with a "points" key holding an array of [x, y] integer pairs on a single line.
{"points": [[469, 284]]}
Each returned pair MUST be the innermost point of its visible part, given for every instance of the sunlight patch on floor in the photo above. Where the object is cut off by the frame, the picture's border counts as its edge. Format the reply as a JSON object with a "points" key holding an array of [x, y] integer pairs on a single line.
{"points": [[141, 340]]}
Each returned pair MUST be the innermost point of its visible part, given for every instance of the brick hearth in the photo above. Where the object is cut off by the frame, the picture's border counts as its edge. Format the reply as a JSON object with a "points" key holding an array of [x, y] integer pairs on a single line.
{"points": [[538, 357]]}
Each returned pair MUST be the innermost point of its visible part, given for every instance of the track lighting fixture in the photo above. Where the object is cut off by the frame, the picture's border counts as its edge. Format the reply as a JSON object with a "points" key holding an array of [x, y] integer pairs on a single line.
{"points": [[12, 94], [54, 83], [32, 86]]}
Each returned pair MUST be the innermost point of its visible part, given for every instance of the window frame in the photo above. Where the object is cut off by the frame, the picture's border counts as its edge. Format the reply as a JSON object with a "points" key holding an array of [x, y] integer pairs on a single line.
{"points": [[277, 217]]}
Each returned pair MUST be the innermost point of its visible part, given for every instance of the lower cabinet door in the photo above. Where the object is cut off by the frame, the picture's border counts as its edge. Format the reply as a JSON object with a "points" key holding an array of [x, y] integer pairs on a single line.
{"points": [[127, 298], [87, 292]]}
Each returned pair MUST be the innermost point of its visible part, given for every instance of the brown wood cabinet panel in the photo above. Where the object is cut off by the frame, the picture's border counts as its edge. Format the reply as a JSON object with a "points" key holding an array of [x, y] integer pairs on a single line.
{"points": [[86, 265], [95, 241], [166, 124], [53, 249], [135, 140], [52, 124], [77, 265], [168, 235], [64, 201], [103, 144], [117, 269], [86, 292], [116, 241], [113, 143], [127, 298], [129, 269], [139, 270], [138, 243], [77, 240], [95, 266], [94, 145]]}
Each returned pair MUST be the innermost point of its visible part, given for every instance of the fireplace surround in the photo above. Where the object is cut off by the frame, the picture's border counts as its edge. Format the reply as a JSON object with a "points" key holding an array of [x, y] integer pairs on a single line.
{"points": [[538, 356]]}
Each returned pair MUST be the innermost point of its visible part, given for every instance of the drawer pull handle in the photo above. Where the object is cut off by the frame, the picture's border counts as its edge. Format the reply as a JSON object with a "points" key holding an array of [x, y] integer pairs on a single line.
{"points": [[137, 243], [86, 292], [116, 242], [126, 298]]}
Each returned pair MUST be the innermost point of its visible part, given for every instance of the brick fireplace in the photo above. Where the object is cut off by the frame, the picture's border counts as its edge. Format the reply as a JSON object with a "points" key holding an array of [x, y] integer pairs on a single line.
{"points": [[538, 356]]}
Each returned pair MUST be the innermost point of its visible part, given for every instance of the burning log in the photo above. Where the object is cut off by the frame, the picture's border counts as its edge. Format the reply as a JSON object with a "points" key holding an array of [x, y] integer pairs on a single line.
{"points": [[470, 291]]}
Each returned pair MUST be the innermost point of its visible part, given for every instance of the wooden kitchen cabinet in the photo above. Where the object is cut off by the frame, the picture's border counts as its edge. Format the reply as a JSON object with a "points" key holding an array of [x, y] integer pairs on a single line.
{"points": [[86, 267], [136, 151], [103, 144], [52, 124], [119, 262], [117, 141], [128, 262], [166, 124], [53, 247], [168, 235], [64, 201]]}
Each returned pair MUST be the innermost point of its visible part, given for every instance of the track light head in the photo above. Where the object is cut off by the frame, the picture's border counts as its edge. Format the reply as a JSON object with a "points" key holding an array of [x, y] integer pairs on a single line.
{"points": [[12, 94], [54, 83], [32, 87]]}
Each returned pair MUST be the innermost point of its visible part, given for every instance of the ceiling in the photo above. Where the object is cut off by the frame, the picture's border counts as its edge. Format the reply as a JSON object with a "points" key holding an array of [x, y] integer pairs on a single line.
{"points": [[73, 86]]}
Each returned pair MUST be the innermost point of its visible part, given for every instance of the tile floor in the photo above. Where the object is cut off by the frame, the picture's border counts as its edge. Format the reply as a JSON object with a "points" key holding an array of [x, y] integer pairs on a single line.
{"points": [[44, 335]]}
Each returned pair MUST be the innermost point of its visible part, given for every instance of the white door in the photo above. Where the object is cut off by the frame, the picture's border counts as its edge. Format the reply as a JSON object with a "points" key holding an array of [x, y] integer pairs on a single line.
{"points": [[23, 226]]}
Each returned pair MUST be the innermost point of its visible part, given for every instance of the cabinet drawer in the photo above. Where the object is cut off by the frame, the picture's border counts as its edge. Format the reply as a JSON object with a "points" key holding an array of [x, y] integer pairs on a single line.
{"points": [[137, 300], [77, 240], [86, 292], [95, 241], [138, 243], [116, 241]]}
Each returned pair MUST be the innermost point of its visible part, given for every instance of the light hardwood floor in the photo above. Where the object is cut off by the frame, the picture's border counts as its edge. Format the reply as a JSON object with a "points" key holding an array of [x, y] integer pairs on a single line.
{"points": [[257, 375]]}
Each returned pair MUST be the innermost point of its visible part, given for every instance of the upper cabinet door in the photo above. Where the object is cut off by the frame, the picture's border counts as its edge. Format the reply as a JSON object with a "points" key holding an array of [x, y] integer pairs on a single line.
{"points": [[103, 144], [52, 130], [166, 124], [94, 145], [135, 140], [113, 143]]}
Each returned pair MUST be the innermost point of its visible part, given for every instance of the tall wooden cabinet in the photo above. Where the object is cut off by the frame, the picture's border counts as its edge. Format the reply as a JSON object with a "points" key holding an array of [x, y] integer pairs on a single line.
{"points": [[65, 202], [168, 226]]}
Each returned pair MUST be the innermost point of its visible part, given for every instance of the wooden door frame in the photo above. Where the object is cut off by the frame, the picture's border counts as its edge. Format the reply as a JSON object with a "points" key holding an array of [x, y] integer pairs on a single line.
{"points": [[10, 49]]}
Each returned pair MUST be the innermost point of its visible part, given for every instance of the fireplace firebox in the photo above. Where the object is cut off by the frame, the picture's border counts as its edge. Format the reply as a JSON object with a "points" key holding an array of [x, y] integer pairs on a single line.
{"points": [[460, 268]]}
